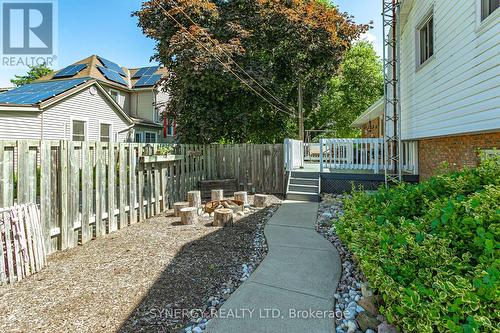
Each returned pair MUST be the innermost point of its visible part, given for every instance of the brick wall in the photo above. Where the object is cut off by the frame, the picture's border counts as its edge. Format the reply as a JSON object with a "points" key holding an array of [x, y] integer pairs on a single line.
{"points": [[458, 151], [371, 129]]}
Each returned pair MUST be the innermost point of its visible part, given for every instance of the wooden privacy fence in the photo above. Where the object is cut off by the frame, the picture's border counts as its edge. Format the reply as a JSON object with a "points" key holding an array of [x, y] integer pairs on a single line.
{"points": [[88, 189]]}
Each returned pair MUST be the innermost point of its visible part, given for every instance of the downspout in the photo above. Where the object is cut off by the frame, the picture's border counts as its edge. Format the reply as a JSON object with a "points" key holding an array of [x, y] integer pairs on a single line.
{"points": [[41, 129]]}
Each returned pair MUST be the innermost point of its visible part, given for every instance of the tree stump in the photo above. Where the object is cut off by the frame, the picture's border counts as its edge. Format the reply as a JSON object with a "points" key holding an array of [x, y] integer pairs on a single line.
{"points": [[194, 199], [189, 215], [260, 200], [241, 196], [217, 195], [178, 206], [223, 217]]}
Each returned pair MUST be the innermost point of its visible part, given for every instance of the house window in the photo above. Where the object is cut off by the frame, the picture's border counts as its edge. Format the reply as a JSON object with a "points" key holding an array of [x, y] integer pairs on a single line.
{"points": [[78, 130], [488, 7], [426, 40], [170, 130], [115, 94], [139, 137], [150, 137], [105, 133]]}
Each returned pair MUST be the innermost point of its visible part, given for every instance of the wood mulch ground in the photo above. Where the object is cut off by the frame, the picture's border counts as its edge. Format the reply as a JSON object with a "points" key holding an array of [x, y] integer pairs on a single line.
{"points": [[117, 283]]}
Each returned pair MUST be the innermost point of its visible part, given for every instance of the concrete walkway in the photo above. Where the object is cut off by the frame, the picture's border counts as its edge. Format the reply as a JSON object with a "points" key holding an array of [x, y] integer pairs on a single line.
{"points": [[300, 274]]}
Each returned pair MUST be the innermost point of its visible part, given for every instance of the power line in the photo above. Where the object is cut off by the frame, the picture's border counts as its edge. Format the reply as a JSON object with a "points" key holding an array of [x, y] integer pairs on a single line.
{"points": [[229, 56], [219, 60]]}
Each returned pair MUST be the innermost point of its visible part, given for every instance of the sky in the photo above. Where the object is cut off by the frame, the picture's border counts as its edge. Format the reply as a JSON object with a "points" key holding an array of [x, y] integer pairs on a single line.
{"points": [[106, 28]]}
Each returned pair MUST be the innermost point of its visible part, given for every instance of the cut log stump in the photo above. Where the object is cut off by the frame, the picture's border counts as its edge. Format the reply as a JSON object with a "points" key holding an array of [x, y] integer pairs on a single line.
{"points": [[241, 196], [223, 217], [217, 195], [178, 206], [194, 199], [189, 215], [260, 200]]}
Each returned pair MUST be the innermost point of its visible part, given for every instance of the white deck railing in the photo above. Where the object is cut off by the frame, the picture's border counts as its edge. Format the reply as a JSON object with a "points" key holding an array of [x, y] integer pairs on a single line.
{"points": [[363, 154]]}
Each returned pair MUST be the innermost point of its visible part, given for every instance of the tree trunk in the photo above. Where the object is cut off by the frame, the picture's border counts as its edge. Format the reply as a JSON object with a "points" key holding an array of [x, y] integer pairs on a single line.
{"points": [[241, 196], [217, 195], [260, 200], [178, 206], [223, 217], [189, 215], [194, 199]]}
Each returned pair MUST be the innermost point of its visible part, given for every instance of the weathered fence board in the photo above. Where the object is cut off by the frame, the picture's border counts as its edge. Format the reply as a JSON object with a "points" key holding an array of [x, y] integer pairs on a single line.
{"points": [[88, 189]]}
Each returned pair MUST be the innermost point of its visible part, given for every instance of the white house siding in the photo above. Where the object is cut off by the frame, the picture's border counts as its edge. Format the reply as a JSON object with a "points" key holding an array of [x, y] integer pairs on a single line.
{"points": [[458, 91], [82, 106], [16, 125], [142, 104]]}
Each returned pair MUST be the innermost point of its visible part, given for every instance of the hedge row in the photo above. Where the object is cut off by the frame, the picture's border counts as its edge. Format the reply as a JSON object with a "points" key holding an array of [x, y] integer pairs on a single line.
{"points": [[432, 250]]}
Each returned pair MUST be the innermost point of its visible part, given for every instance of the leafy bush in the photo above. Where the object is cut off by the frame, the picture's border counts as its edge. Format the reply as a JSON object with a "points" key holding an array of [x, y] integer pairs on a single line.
{"points": [[432, 250]]}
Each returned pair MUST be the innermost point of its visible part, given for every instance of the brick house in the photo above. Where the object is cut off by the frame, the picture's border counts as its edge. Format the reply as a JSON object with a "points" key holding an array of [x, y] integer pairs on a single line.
{"points": [[450, 74]]}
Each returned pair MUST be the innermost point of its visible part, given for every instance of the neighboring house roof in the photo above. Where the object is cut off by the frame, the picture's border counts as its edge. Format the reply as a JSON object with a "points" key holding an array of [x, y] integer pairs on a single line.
{"points": [[92, 70], [38, 96], [110, 73], [373, 112], [35, 93], [145, 122]]}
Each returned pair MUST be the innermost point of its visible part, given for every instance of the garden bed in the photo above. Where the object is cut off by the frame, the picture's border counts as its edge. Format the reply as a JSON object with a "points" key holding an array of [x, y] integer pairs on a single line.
{"points": [[133, 279], [429, 251], [356, 310]]}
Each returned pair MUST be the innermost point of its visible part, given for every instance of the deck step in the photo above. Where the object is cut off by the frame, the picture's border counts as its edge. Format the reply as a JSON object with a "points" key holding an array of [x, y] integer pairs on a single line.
{"points": [[304, 181], [307, 175], [303, 188], [301, 196]]}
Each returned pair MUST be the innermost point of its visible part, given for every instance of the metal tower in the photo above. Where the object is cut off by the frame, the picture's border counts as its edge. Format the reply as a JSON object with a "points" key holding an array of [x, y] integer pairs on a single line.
{"points": [[392, 94]]}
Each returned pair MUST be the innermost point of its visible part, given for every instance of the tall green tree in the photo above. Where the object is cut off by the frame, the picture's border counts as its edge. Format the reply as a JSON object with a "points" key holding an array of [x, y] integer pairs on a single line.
{"points": [[278, 43], [34, 73], [358, 85]]}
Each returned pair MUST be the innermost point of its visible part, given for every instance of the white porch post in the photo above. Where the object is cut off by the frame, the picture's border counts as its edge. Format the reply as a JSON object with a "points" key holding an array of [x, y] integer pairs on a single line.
{"points": [[321, 155]]}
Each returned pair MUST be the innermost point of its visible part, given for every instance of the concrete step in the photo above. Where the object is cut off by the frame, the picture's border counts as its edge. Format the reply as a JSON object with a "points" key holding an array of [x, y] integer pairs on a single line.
{"points": [[304, 181], [303, 188], [301, 196], [308, 175]]}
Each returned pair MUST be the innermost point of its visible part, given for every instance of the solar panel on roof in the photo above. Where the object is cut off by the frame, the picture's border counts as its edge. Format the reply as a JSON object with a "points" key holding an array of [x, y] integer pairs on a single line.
{"points": [[38, 92], [145, 71], [112, 75], [111, 65], [70, 71], [147, 81]]}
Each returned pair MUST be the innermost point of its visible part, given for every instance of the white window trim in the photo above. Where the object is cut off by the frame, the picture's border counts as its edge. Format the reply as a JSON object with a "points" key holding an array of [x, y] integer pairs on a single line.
{"points": [[83, 119], [111, 131], [141, 134], [118, 101], [487, 23], [172, 130], [151, 132], [425, 19]]}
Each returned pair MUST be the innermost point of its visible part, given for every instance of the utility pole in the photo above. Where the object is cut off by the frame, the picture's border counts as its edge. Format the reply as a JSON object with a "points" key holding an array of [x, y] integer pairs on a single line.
{"points": [[301, 114]]}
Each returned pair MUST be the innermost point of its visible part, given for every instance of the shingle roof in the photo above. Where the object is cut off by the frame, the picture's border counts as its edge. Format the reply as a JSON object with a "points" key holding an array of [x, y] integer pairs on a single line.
{"points": [[92, 70], [38, 92]]}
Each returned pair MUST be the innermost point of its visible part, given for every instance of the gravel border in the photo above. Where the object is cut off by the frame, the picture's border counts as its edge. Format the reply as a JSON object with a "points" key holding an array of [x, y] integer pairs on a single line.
{"points": [[355, 309]]}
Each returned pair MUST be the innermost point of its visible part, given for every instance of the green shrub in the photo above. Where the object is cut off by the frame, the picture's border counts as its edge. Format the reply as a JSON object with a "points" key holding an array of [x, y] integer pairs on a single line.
{"points": [[432, 250]]}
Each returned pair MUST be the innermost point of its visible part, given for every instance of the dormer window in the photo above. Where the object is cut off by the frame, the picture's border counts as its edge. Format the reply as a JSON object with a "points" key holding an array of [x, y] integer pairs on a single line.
{"points": [[115, 94], [488, 7]]}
